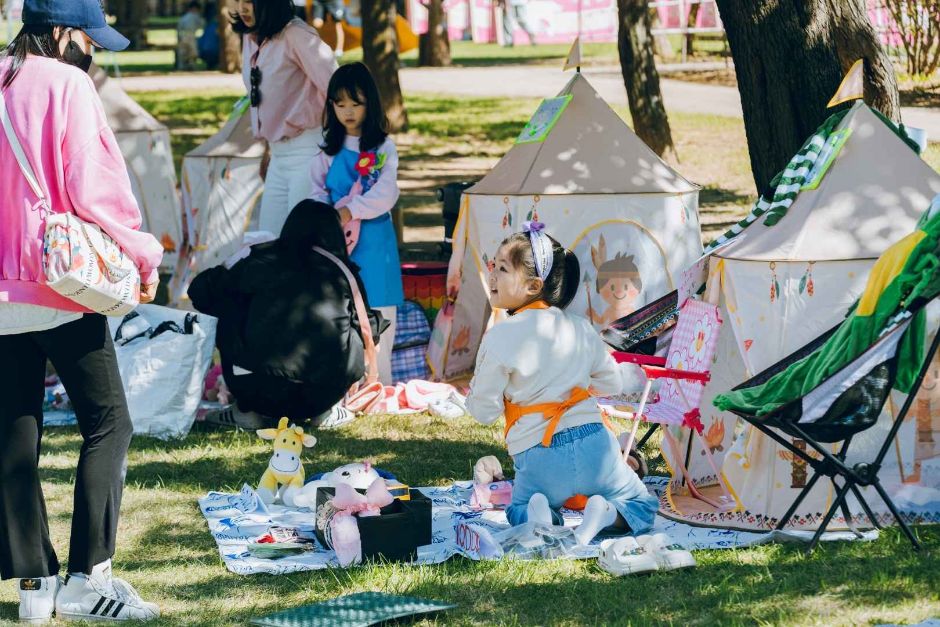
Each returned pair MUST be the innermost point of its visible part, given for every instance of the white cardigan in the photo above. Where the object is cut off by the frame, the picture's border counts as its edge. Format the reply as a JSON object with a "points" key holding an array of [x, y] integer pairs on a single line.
{"points": [[538, 356], [379, 200]]}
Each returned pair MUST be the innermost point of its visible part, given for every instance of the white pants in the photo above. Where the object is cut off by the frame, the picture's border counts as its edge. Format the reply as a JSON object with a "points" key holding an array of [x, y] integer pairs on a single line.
{"points": [[288, 181], [386, 343]]}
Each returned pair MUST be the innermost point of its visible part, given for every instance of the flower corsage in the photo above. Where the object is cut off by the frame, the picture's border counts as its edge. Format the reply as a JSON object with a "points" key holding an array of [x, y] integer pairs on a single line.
{"points": [[369, 164]]}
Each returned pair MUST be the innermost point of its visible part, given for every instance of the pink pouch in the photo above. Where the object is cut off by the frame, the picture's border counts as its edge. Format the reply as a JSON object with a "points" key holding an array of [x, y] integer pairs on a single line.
{"points": [[351, 229], [351, 233], [496, 494]]}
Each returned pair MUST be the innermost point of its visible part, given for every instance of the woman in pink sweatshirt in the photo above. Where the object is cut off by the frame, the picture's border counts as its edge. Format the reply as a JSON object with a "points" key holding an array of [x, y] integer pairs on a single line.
{"points": [[55, 113]]}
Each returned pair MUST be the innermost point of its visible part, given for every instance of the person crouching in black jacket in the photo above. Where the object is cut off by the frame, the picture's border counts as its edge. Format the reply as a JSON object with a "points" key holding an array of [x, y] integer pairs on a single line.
{"points": [[288, 332]]}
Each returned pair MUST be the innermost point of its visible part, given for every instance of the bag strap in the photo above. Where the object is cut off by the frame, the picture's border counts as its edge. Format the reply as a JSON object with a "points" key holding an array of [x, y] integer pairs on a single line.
{"points": [[20, 155], [372, 367]]}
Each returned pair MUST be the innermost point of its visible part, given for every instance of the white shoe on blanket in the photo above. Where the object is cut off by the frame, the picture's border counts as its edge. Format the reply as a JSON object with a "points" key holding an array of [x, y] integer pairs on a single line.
{"points": [[669, 555], [625, 556]]}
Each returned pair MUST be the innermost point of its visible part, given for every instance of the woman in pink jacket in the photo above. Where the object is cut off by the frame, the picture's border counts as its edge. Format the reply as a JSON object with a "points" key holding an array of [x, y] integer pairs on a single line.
{"points": [[56, 115], [286, 68]]}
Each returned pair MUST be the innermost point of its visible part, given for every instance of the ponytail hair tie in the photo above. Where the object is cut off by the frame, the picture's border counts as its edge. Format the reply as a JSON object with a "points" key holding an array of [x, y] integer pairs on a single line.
{"points": [[541, 247]]}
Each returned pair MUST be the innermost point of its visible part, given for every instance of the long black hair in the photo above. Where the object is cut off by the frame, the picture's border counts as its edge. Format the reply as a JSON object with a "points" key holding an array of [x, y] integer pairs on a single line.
{"points": [[271, 16], [354, 81], [32, 39], [562, 282]]}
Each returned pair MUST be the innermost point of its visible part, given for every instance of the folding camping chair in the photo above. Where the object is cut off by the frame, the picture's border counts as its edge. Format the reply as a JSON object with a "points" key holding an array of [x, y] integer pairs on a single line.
{"points": [[685, 373], [843, 405]]}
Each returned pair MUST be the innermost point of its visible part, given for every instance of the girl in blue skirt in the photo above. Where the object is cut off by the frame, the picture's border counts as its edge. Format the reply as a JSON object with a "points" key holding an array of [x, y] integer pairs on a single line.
{"points": [[356, 171]]}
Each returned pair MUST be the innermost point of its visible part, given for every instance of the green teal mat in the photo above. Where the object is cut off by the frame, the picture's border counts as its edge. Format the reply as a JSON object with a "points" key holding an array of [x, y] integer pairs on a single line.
{"points": [[352, 610]]}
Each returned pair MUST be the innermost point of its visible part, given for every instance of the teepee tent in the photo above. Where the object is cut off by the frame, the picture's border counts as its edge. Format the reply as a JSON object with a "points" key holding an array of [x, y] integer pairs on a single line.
{"points": [[145, 145], [631, 220], [221, 190], [791, 274]]}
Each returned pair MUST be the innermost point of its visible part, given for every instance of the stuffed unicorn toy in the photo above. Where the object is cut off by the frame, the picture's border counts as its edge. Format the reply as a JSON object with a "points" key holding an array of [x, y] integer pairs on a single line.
{"points": [[284, 476]]}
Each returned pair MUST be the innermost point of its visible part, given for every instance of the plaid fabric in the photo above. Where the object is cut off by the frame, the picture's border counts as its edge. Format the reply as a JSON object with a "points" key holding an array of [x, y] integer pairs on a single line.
{"points": [[410, 363], [412, 334], [411, 325]]}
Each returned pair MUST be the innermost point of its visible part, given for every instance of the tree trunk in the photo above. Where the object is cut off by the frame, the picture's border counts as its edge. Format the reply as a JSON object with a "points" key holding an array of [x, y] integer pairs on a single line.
{"points": [[789, 57], [690, 37], [230, 44], [640, 77], [434, 45], [131, 19], [380, 54]]}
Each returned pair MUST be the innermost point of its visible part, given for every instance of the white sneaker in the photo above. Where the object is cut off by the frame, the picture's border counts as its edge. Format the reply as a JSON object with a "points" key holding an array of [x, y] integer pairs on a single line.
{"points": [[624, 556], [336, 417], [669, 556], [37, 598], [450, 408], [99, 596]]}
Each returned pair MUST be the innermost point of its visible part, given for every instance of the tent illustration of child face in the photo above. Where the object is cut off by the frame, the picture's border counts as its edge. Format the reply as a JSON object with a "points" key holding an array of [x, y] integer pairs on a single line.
{"points": [[618, 284], [623, 267]]}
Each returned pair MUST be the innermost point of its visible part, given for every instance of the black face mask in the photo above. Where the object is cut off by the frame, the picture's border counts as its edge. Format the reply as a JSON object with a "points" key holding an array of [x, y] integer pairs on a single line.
{"points": [[74, 55]]}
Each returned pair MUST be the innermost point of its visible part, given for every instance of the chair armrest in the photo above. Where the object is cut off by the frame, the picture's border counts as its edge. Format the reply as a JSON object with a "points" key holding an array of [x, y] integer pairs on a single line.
{"points": [[640, 360], [656, 372]]}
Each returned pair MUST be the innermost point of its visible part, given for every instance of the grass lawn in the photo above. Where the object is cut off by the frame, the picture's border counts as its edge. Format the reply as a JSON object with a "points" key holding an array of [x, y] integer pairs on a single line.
{"points": [[166, 551]]}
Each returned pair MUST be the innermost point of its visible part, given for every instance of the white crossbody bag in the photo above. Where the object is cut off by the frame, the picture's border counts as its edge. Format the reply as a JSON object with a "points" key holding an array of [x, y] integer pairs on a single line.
{"points": [[81, 262]]}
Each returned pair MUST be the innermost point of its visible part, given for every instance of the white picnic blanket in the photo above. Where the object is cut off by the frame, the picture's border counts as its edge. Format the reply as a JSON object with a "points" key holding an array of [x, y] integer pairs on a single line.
{"points": [[237, 519]]}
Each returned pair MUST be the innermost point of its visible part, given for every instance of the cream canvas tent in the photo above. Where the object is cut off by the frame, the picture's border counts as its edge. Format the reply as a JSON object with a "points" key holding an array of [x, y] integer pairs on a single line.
{"points": [[577, 167], [221, 189], [783, 285], [145, 145]]}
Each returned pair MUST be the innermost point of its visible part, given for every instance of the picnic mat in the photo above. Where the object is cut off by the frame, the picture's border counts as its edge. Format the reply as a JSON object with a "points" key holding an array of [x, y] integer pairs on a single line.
{"points": [[237, 519], [352, 610]]}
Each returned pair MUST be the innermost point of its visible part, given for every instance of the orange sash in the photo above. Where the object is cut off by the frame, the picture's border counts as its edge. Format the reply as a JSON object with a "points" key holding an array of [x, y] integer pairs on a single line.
{"points": [[552, 412]]}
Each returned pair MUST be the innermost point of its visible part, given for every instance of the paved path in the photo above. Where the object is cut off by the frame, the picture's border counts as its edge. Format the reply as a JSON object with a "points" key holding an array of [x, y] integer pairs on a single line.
{"points": [[528, 81]]}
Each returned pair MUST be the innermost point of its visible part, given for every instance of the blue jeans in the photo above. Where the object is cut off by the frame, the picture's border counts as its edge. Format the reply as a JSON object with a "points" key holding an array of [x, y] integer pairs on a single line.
{"points": [[581, 460]]}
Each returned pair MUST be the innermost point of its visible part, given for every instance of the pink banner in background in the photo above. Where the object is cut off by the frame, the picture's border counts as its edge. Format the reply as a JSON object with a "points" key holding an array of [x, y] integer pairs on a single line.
{"points": [[553, 21], [458, 18]]}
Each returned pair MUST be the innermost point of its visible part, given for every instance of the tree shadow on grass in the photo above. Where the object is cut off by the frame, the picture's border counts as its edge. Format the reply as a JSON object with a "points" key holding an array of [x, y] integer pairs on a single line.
{"points": [[213, 460], [415, 462], [714, 196]]}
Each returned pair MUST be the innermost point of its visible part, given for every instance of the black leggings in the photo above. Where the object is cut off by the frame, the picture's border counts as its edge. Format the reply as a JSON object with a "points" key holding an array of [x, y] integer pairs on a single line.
{"points": [[83, 355]]}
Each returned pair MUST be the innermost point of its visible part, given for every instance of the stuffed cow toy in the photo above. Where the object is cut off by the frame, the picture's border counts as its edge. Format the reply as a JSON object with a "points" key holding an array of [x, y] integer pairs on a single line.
{"points": [[284, 476]]}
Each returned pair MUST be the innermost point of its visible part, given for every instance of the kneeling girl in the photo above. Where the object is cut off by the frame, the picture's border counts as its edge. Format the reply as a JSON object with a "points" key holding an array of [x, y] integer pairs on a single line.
{"points": [[540, 368]]}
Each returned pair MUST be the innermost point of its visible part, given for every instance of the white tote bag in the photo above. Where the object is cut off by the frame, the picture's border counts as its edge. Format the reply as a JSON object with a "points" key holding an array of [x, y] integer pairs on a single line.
{"points": [[81, 262], [163, 355]]}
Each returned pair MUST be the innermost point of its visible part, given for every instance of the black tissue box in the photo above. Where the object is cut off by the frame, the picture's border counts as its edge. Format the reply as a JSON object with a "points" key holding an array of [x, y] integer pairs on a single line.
{"points": [[395, 535]]}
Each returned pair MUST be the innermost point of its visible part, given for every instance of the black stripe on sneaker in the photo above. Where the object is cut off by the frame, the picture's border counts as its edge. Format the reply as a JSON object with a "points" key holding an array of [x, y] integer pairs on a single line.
{"points": [[94, 610], [107, 608], [117, 610]]}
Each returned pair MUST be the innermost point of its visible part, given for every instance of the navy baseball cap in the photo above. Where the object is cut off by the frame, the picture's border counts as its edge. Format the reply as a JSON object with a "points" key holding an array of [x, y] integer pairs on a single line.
{"points": [[86, 15]]}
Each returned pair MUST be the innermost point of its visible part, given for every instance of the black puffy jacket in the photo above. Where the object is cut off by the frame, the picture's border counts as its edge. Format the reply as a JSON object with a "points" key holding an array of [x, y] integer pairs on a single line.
{"points": [[286, 314]]}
